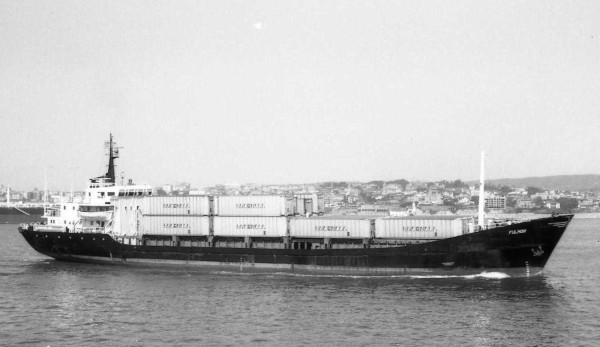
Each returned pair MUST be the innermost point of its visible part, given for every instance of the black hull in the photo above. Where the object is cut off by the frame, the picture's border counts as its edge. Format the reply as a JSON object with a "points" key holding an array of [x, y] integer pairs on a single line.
{"points": [[521, 249]]}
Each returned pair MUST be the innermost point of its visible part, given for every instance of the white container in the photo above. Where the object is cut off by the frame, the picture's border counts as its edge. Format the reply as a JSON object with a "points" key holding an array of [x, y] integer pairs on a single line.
{"points": [[167, 205], [254, 205], [418, 228], [127, 216], [175, 225], [250, 226], [177, 205], [330, 227]]}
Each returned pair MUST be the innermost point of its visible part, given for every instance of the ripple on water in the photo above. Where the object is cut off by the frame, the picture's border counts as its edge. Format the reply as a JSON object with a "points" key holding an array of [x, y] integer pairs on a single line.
{"points": [[46, 302]]}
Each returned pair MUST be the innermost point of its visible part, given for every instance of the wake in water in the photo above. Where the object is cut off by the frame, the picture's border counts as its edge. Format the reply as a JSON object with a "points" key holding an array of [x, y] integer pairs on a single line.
{"points": [[484, 275]]}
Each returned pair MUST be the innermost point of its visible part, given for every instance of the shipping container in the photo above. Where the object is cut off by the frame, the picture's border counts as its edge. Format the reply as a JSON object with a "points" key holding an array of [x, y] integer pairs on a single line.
{"points": [[250, 226], [175, 225], [169, 205], [178, 205], [330, 227], [127, 216], [254, 205], [419, 228]]}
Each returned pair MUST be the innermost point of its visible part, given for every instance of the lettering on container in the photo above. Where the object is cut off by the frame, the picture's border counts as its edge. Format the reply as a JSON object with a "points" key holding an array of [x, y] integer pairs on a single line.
{"points": [[172, 205], [176, 225], [419, 229], [330, 228], [249, 205], [516, 232], [250, 226]]}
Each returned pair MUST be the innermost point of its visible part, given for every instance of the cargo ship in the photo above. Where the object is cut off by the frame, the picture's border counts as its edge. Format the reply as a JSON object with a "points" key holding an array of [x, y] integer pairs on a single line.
{"points": [[128, 225]]}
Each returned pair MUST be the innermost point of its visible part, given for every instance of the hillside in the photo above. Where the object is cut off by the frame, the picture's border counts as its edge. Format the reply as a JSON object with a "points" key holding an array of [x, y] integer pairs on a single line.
{"points": [[562, 182]]}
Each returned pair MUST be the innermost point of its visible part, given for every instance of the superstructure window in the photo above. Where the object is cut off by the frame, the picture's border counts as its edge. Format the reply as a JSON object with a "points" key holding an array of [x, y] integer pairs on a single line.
{"points": [[111, 194]]}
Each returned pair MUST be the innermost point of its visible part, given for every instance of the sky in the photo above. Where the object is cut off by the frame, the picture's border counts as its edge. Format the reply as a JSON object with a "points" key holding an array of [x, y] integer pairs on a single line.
{"points": [[220, 92]]}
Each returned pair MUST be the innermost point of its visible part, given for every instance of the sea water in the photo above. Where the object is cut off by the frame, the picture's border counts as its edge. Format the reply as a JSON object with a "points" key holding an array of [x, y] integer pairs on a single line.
{"points": [[44, 302]]}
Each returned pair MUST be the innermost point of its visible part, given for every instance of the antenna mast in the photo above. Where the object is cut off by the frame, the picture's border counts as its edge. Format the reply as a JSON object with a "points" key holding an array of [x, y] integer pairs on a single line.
{"points": [[113, 153]]}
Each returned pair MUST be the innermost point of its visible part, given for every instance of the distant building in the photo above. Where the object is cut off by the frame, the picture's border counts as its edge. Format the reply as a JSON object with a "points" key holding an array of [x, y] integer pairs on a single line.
{"points": [[588, 203], [374, 210], [525, 203], [182, 187], [168, 188], [391, 189], [198, 192], [35, 195], [434, 196], [495, 202]]}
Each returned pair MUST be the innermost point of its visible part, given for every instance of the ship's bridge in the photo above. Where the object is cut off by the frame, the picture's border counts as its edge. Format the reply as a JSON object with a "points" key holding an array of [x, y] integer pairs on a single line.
{"points": [[101, 182], [103, 194]]}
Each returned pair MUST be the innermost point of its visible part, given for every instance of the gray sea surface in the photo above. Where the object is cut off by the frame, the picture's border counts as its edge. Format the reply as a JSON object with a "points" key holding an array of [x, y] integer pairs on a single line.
{"points": [[44, 302]]}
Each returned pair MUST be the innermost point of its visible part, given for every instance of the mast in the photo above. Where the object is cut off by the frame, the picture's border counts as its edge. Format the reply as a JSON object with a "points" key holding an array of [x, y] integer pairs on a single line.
{"points": [[113, 153], [45, 190], [481, 214]]}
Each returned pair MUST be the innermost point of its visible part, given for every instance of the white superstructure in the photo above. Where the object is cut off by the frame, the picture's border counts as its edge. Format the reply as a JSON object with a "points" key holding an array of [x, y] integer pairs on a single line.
{"points": [[96, 211]]}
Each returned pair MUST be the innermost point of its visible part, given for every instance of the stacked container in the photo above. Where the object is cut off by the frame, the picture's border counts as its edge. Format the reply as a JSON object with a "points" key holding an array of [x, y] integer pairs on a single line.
{"points": [[254, 205], [257, 226], [176, 225], [252, 216], [169, 205], [127, 216], [343, 228], [163, 215], [418, 228]]}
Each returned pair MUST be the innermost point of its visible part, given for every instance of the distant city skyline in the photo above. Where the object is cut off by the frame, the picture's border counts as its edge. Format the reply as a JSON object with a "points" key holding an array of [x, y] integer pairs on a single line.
{"points": [[287, 92]]}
